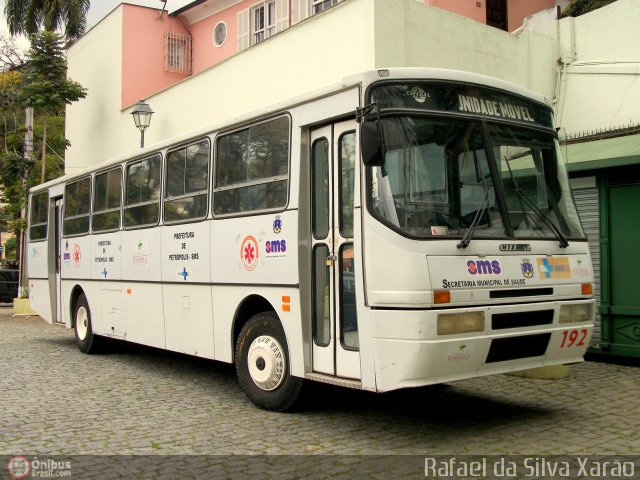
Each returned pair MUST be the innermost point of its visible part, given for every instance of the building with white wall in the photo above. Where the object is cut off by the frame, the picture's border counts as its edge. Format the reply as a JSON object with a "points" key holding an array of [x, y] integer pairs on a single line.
{"points": [[124, 58]]}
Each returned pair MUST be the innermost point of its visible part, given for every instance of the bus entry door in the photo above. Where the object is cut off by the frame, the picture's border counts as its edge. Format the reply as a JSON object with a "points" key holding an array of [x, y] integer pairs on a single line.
{"points": [[333, 190], [58, 317]]}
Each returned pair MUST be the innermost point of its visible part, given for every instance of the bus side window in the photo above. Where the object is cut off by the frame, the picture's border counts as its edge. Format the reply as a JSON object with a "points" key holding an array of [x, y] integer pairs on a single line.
{"points": [[252, 168], [39, 215], [142, 192], [107, 200], [77, 207], [187, 178]]}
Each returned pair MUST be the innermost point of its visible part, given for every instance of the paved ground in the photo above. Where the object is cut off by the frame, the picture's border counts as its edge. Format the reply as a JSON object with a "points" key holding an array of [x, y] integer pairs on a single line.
{"points": [[135, 400]]}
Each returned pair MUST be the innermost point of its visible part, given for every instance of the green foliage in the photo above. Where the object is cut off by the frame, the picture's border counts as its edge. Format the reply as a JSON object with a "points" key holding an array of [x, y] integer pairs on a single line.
{"points": [[14, 167], [30, 16], [580, 7], [41, 83], [10, 249], [45, 86]]}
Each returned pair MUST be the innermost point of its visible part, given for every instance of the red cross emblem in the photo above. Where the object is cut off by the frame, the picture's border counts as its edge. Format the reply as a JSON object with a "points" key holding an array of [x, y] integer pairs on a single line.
{"points": [[249, 253]]}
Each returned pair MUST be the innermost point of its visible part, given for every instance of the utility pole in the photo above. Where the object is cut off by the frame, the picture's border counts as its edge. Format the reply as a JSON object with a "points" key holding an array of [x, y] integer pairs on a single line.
{"points": [[28, 155]]}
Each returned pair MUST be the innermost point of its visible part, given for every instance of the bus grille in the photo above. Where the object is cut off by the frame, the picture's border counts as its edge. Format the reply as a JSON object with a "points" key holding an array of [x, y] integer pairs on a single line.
{"points": [[512, 348], [520, 292], [521, 319]]}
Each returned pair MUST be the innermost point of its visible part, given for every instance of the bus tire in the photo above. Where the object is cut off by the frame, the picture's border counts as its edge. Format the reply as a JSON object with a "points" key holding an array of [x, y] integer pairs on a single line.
{"points": [[262, 364], [86, 340]]}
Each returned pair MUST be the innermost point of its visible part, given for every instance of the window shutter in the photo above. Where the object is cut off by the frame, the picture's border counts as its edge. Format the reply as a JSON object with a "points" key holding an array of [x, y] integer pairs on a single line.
{"points": [[299, 10], [243, 29], [282, 15]]}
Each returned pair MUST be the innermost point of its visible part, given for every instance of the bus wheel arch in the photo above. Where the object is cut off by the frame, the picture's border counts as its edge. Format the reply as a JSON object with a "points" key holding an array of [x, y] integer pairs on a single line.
{"points": [[250, 306], [86, 340], [262, 362], [73, 299]]}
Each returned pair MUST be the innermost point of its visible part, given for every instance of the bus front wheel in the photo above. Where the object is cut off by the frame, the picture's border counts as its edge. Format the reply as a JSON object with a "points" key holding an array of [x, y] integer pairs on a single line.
{"points": [[262, 364], [86, 340]]}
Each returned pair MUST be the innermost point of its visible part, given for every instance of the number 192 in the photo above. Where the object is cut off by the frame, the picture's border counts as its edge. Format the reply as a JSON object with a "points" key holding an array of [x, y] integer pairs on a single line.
{"points": [[569, 338]]}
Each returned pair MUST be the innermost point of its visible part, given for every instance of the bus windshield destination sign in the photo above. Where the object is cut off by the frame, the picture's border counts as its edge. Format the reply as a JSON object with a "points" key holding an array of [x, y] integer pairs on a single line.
{"points": [[461, 98]]}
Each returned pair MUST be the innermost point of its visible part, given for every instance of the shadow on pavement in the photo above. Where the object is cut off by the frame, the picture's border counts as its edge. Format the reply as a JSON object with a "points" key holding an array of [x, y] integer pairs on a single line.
{"points": [[440, 407]]}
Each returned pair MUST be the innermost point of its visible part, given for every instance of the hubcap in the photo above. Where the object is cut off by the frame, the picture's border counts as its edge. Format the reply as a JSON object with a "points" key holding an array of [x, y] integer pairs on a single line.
{"points": [[266, 362], [82, 323]]}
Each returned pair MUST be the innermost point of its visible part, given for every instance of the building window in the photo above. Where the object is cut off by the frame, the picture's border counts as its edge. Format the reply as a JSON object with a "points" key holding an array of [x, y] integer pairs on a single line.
{"points": [[219, 34], [497, 14], [177, 52], [318, 6], [263, 21]]}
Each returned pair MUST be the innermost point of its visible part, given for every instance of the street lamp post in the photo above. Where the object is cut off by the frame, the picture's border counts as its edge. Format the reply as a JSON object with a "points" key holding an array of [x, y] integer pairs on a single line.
{"points": [[142, 117]]}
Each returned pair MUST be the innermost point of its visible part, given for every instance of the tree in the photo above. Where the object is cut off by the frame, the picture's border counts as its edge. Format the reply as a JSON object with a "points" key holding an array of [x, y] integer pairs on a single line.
{"points": [[39, 81], [30, 16], [580, 7], [45, 86], [12, 57], [12, 165], [10, 249]]}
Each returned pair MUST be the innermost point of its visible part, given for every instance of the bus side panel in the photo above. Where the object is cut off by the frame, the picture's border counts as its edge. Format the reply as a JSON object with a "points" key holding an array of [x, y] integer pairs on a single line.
{"points": [[106, 256], [188, 319], [40, 298], [141, 255], [37, 265], [75, 268], [186, 275], [143, 318], [76, 258], [395, 268], [186, 253], [256, 250]]}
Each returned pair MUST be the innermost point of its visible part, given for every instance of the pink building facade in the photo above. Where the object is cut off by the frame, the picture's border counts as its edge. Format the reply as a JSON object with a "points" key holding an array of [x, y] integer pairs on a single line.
{"points": [[159, 49], [507, 15]]}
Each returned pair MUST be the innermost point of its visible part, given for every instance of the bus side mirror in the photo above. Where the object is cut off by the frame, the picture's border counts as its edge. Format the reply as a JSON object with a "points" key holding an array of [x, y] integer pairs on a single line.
{"points": [[372, 143]]}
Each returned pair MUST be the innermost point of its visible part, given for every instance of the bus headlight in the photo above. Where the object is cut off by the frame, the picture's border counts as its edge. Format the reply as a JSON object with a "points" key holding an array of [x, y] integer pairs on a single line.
{"points": [[452, 323], [578, 312]]}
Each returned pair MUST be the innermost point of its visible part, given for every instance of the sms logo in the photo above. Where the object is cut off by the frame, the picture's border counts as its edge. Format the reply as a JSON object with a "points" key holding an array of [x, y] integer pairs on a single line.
{"points": [[484, 267], [276, 246]]}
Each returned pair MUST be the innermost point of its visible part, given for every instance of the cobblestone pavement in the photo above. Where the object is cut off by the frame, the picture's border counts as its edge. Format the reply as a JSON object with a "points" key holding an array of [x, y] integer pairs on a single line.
{"points": [[135, 400]]}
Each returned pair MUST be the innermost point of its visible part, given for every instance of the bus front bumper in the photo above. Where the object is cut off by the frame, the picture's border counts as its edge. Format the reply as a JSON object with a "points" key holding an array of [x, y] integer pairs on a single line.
{"points": [[408, 352]]}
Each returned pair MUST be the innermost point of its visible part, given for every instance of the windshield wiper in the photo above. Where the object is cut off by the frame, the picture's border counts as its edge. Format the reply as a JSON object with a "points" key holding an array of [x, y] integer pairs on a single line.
{"points": [[564, 243], [480, 212], [482, 208]]}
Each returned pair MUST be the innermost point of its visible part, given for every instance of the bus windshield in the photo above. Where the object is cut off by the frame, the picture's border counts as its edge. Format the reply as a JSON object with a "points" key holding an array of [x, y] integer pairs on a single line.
{"points": [[437, 180]]}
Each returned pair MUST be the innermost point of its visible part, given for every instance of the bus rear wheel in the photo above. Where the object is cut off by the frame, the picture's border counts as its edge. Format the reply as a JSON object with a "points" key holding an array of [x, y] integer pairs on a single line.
{"points": [[262, 364], [87, 342]]}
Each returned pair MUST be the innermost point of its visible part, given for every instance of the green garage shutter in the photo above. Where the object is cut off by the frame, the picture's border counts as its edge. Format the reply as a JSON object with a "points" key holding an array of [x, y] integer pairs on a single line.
{"points": [[586, 195]]}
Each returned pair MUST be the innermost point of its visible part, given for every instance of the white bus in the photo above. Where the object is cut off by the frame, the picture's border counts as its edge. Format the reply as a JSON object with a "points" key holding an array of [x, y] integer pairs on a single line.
{"points": [[403, 228]]}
